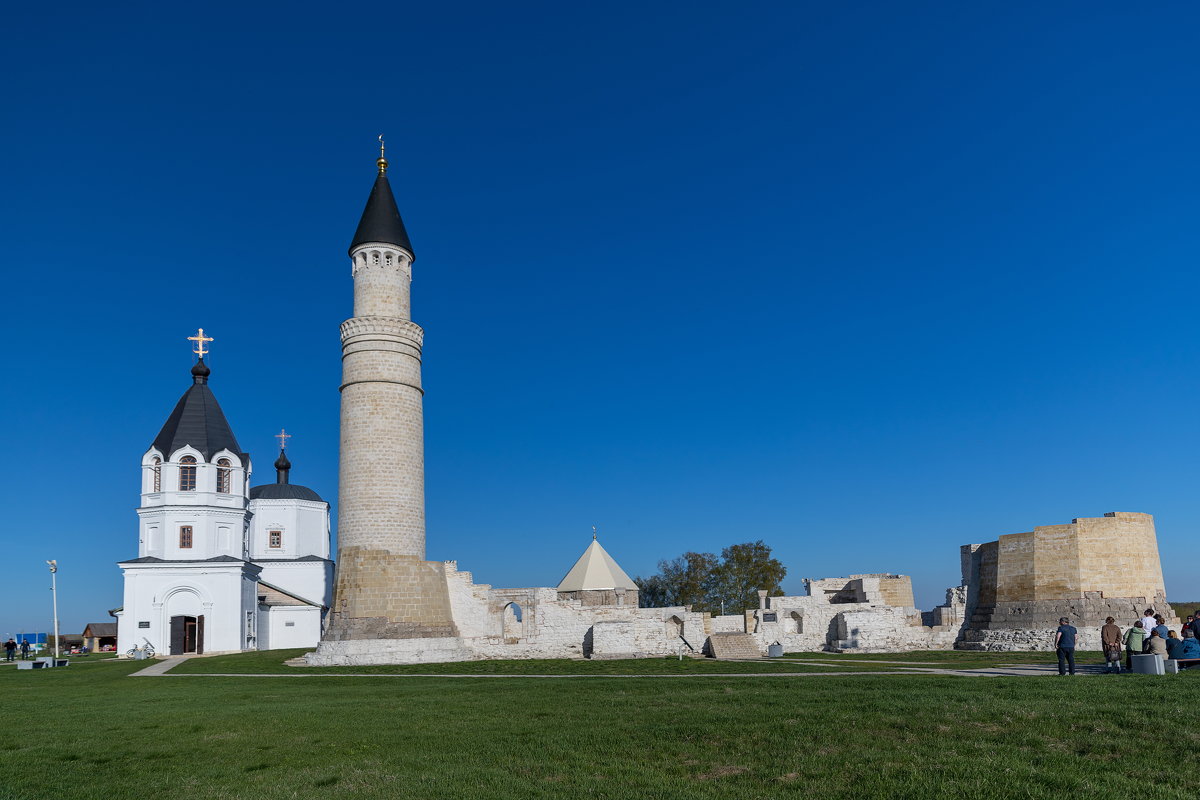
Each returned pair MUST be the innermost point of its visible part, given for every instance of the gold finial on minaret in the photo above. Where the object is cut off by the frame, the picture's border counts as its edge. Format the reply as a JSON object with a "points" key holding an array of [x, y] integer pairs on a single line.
{"points": [[382, 162], [200, 339]]}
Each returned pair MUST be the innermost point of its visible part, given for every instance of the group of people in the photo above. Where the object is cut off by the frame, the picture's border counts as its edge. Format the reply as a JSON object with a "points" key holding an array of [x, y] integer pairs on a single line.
{"points": [[11, 647], [1147, 635]]}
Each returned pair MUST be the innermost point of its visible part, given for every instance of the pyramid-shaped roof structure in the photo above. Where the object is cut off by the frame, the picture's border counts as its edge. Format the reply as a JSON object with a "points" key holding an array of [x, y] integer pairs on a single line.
{"points": [[197, 421], [595, 569]]}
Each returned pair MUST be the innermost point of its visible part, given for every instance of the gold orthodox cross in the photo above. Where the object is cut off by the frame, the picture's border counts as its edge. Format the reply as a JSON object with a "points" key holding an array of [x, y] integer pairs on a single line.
{"points": [[283, 436], [200, 339]]}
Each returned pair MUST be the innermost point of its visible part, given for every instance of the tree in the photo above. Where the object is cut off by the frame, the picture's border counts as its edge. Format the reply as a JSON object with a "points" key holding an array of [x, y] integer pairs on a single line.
{"points": [[703, 581], [746, 568], [652, 591]]}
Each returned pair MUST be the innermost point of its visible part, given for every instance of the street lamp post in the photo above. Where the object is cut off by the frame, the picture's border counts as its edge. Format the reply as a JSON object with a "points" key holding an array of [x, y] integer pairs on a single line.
{"points": [[54, 592]]}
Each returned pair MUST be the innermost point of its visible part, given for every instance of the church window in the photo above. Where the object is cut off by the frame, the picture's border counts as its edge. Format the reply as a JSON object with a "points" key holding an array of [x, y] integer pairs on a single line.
{"points": [[187, 474], [275, 538], [375, 259], [157, 474], [224, 474], [185, 536]]}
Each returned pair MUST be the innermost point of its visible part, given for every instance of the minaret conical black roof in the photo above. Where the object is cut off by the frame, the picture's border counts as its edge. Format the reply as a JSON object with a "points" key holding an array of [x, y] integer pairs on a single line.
{"points": [[198, 421], [381, 219]]}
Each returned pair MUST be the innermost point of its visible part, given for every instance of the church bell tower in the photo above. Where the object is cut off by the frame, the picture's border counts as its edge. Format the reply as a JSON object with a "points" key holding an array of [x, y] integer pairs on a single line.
{"points": [[385, 588]]}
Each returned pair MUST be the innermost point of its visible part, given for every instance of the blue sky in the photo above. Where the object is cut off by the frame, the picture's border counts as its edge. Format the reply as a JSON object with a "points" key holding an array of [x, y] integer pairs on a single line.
{"points": [[867, 281]]}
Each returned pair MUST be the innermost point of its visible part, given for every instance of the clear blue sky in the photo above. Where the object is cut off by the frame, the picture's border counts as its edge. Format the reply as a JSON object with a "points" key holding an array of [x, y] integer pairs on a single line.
{"points": [[867, 281]]}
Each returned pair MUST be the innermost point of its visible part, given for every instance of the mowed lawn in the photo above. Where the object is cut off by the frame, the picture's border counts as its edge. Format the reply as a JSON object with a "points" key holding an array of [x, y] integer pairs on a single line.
{"points": [[88, 731]]}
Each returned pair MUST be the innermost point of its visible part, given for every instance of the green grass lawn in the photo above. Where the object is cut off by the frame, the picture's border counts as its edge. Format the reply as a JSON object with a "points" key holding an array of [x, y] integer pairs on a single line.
{"points": [[88, 730]]}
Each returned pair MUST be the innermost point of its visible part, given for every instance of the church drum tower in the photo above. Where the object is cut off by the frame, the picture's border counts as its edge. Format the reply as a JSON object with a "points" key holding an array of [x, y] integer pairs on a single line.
{"points": [[385, 588]]}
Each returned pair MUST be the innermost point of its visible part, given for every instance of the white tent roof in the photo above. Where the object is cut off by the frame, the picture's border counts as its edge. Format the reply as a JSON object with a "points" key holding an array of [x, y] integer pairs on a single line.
{"points": [[595, 569]]}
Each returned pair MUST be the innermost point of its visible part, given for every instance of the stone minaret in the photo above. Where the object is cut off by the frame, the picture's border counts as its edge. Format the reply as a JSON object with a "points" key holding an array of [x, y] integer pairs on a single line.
{"points": [[385, 588]]}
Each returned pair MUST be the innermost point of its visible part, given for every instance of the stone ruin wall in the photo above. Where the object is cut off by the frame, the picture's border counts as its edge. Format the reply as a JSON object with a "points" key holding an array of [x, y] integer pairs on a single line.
{"points": [[1018, 586], [1012, 594]]}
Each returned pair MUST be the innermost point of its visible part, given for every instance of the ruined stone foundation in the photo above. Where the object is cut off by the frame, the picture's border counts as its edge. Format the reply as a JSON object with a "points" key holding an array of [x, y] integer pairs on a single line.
{"points": [[381, 595]]}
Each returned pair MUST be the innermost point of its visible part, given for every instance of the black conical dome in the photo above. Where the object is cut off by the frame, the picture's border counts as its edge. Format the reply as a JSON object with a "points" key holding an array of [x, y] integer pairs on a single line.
{"points": [[198, 421], [381, 219]]}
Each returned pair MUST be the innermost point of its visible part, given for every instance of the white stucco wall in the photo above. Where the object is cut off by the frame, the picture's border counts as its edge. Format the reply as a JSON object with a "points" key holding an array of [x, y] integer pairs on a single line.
{"points": [[222, 593], [281, 627]]}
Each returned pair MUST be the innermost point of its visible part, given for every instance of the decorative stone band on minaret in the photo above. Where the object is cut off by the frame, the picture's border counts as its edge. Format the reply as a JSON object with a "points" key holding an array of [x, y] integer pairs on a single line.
{"points": [[385, 588]]}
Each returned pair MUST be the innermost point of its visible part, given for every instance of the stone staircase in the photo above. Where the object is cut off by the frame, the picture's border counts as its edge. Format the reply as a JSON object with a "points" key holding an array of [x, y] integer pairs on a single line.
{"points": [[734, 645]]}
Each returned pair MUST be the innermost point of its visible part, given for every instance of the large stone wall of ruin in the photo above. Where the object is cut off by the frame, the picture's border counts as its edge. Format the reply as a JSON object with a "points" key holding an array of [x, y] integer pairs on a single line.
{"points": [[1089, 569], [1116, 555]]}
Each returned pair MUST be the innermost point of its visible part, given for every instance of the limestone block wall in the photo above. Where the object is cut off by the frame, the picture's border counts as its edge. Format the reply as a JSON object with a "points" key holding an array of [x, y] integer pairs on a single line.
{"points": [[381, 473], [554, 627], [729, 623], [879, 588], [896, 590], [1116, 554], [381, 595], [602, 597], [883, 630], [1086, 570]]}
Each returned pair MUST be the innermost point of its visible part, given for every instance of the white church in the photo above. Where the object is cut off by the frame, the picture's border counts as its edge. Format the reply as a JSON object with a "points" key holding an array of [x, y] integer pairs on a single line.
{"points": [[222, 566]]}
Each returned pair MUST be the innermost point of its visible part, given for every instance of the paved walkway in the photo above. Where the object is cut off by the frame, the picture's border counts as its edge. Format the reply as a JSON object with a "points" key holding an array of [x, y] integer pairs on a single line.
{"points": [[159, 666], [164, 666]]}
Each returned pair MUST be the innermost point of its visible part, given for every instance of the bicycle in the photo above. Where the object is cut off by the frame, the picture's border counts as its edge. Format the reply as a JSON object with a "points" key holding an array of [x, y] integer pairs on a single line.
{"points": [[148, 649]]}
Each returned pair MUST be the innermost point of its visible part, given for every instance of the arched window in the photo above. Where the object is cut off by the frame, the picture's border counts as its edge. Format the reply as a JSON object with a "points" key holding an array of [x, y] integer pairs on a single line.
{"points": [[157, 474], [187, 474], [224, 473]]}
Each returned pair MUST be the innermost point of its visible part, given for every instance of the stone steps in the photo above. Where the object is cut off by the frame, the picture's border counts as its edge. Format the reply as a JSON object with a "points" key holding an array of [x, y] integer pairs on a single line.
{"points": [[734, 645]]}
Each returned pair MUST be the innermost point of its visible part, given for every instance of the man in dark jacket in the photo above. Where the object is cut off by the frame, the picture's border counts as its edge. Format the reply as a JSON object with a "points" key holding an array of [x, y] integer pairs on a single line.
{"points": [[1196, 624], [10, 649], [1064, 645]]}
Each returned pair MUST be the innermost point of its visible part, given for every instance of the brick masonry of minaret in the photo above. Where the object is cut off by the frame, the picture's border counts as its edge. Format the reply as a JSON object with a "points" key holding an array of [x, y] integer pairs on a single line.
{"points": [[385, 589]]}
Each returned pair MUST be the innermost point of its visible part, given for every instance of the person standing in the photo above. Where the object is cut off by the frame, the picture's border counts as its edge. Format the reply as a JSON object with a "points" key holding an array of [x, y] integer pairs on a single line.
{"points": [[24, 649], [1148, 621], [1195, 626], [1133, 643], [1064, 645], [10, 649], [1160, 625], [1110, 640]]}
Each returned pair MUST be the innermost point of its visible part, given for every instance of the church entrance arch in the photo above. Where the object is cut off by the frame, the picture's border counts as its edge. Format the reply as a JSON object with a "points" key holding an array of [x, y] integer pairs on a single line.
{"points": [[187, 635]]}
